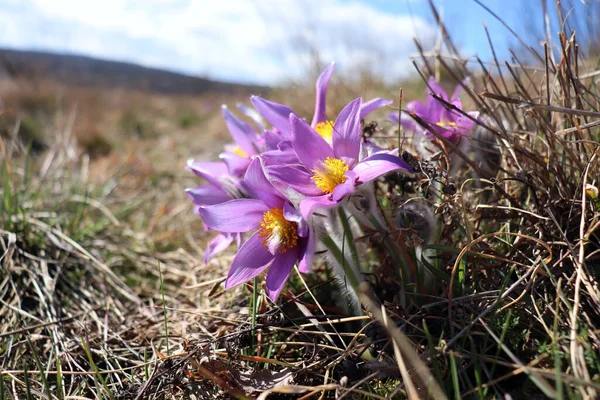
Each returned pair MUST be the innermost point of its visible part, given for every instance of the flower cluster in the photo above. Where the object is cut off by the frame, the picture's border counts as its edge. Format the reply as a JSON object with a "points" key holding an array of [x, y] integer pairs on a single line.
{"points": [[445, 118], [267, 186]]}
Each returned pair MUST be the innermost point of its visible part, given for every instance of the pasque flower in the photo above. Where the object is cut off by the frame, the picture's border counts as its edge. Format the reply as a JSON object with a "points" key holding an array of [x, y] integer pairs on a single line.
{"points": [[280, 237], [278, 114], [269, 183], [329, 173], [220, 187], [447, 122], [248, 143], [223, 178]]}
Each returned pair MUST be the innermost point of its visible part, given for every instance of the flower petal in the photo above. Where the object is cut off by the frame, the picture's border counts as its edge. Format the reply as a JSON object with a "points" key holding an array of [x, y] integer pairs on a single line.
{"points": [[406, 121], [210, 171], [295, 177], [241, 215], [251, 113], [207, 195], [418, 107], [242, 133], [456, 103], [372, 105], [280, 271], [347, 131], [280, 157], [277, 114], [464, 124], [437, 89], [459, 88], [252, 258], [292, 214], [272, 140], [321, 102], [310, 147], [310, 204], [217, 245], [259, 185], [378, 164], [371, 149], [236, 164], [345, 188], [309, 246]]}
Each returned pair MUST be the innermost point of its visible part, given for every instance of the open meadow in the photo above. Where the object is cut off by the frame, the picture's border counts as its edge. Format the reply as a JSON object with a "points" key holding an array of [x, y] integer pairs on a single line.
{"points": [[444, 244]]}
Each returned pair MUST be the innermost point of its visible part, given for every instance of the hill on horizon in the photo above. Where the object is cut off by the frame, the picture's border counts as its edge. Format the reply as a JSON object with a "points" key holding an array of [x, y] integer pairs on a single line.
{"points": [[76, 70]]}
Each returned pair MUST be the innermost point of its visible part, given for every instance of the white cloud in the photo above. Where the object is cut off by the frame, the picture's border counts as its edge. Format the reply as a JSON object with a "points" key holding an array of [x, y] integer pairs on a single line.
{"points": [[255, 41]]}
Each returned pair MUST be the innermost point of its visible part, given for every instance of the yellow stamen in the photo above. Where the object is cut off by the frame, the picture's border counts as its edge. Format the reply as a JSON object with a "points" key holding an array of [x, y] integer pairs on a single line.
{"points": [[591, 191], [325, 129], [446, 123], [277, 232], [330, 174], [237, 150]]}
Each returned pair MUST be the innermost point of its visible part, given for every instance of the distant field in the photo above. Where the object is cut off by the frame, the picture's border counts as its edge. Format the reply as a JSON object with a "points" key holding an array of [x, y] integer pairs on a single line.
{"points": [[78, 70]]}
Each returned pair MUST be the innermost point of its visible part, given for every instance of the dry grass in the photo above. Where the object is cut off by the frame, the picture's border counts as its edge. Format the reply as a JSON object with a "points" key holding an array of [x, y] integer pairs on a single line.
{"points": [[83, 237]]}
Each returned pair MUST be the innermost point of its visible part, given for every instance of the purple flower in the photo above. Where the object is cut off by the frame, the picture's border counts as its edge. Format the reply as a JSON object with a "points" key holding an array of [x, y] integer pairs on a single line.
{"points": [[327, 174], [248, 143], [278, 114], [219, 244], [224, 178], [281, 237], [447, 122], [221, 187], [253, 114], [216, 174]]}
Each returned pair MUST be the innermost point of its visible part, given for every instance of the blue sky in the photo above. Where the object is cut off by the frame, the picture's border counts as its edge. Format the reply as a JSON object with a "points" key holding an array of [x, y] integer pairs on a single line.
{"points": [[464, 19], [261, 41]]}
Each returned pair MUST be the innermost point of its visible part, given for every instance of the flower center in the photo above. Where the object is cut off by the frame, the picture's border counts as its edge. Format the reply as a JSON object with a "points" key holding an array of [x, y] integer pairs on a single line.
{"points": [[325, 129], [277, 232], [330, 174], [237, 150]]}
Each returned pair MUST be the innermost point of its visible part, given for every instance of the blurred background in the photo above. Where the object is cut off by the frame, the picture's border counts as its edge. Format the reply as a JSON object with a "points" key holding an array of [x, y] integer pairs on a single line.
{"points": [[146, 75], [269, 42]]}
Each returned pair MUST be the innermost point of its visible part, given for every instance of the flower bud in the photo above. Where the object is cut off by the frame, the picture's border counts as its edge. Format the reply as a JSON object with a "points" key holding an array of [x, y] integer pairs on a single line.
{"points": [[416, 215]]}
